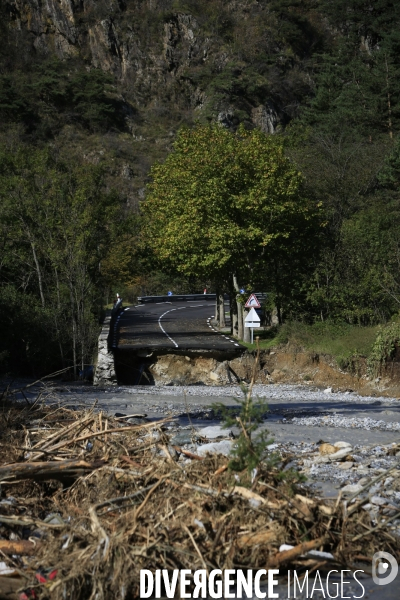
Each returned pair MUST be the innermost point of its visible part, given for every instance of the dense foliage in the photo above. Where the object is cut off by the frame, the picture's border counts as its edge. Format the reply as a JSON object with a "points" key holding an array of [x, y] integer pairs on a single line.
{"points": [[231, 205], [81, 129], [57, 227]]}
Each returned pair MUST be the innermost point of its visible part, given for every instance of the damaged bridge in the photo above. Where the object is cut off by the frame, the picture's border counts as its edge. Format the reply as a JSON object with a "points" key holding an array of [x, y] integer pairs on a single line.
{"points": [[166, 340]]}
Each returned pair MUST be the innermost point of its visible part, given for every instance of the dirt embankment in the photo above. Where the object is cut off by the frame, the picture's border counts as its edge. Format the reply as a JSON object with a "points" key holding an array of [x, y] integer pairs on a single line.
{"points": [[280, 365]]}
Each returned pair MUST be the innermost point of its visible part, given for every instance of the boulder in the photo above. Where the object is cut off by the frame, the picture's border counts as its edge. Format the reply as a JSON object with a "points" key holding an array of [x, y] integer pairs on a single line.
{"points": [[224, 447], [215, 431]]}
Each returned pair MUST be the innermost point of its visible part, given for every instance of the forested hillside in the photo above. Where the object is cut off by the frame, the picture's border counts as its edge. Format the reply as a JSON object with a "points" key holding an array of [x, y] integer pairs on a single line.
{"points": [[94, 93]]}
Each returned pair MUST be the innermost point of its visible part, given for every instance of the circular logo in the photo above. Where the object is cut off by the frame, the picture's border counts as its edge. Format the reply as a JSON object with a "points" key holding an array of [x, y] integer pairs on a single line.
{"points": [[384, 563]]}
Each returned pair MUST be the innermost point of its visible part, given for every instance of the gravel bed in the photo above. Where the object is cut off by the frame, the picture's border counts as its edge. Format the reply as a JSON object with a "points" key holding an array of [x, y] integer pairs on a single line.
{"points": [[269, 391], [347, 422]]}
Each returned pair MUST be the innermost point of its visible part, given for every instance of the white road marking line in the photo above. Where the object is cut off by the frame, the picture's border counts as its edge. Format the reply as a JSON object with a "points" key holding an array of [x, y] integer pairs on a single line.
{"points": [[236, 344], [162, 328]]}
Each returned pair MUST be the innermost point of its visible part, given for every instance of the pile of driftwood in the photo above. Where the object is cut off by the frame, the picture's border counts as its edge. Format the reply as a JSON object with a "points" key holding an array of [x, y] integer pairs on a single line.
{"points": [[87, 501]]}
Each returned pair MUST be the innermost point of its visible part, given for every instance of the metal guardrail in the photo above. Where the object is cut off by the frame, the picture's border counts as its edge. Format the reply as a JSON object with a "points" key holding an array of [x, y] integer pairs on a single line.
{"points": [[176, 298], [188, 298]]}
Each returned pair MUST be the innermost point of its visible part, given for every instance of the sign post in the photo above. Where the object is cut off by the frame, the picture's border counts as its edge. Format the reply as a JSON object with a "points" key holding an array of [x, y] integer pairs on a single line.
{"points": [[252, 320]]}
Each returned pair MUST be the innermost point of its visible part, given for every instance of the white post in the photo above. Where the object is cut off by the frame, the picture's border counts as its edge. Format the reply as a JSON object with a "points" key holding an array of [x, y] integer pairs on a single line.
{"points": [[252, 329]]}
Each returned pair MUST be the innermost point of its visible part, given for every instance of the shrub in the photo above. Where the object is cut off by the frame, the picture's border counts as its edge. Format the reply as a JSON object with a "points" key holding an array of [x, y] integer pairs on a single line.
{"points": [[384, 347], [248, 450]]}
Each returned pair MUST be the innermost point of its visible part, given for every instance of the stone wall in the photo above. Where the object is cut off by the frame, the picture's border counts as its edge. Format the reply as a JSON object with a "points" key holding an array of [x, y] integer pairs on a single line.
{"points": [[105, 371]]}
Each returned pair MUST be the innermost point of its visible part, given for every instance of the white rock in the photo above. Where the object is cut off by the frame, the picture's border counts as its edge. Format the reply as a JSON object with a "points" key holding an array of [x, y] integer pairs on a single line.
{"points": [[352, 488], [342, 445], [197, 522], [339, 454], [223, 447], [321, 459], [5, 569], [328, 391], [363, 471], [378, 500], [346, 465], [364, 481], [215, 431]]}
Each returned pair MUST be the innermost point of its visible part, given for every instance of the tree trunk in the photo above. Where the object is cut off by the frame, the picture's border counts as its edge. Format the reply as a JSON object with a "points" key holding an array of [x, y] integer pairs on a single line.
{"points": [[42, 471], [221, 303], [246, 330], [234, 319], [239, 307], [233, 309], [279, 312], [38, 271], [74, 333], [59, 337], [389, 103]]}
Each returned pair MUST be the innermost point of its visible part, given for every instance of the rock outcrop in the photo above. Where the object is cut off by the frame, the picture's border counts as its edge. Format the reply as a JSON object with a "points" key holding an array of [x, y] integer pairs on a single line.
{"points": [[165, 58]]}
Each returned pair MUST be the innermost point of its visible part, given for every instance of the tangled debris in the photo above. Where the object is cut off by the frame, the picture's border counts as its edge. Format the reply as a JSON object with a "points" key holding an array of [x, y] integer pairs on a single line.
{"points": [[87, 500]]}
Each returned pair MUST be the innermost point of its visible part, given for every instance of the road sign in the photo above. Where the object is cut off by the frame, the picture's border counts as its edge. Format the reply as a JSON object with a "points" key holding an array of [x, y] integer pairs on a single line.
{"points": [[242, 291], [169, 293], [252, 319], [252, 302]]}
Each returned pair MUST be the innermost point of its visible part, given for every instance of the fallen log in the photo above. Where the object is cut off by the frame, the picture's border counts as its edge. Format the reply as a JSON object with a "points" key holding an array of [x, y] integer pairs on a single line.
{"points": [[187, 453], [26, 521], [25, 547], [40, 471], [288, 555], [269, 536]]}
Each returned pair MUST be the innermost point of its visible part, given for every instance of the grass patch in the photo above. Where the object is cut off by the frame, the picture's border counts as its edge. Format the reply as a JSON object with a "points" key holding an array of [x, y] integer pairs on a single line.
{"points": [[340, 340], [268, 339]]}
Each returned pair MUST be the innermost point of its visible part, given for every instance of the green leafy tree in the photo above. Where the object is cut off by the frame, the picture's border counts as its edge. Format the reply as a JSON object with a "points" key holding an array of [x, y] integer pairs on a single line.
{"points": [[223, 202], [56, 218]]}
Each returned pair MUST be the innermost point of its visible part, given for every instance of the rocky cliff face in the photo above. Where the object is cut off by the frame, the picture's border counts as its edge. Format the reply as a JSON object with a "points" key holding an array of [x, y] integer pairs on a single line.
{"points": [[48, 27], [221, 60], [170, 62]]}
